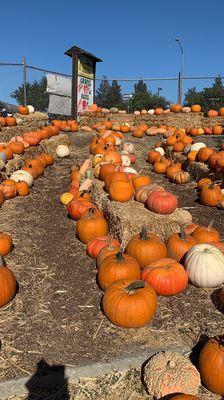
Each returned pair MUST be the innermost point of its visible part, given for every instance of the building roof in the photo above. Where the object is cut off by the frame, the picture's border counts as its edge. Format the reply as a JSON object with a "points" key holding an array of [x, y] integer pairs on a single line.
{"points": [[75, 49]]}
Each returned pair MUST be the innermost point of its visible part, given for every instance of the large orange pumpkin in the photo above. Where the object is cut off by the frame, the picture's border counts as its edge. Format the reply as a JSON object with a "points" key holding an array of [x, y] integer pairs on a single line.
{"points": [[129, 304], [23, 110], [211, 365], [146, 248], [212, 113], [8, 285], [179, 243], [195, 108]]}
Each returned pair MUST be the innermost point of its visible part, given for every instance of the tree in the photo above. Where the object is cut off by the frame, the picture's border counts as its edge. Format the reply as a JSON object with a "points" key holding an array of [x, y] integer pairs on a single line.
{"points": [[144, 99], [208, 98], [35, 94], [102, 93], [114, 96]]}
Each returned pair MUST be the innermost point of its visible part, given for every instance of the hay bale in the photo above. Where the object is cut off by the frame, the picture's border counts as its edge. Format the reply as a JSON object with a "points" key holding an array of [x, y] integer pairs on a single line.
{"points": [[50, 145], [47, 146], [127, 219], [197, 170]]}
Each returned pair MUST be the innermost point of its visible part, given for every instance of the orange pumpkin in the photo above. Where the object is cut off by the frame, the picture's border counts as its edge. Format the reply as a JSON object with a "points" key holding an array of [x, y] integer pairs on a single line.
{"points": [[204, 153], [211, 195], [112, 157], [159, 111], [2, 122], [9, 191], [121, 191], [175, 108], [36, 164], [179, 243], [23, 110], [146, 248], [16, 147], [90, 226], [22, 188], [212, 113], [204, 234], [6, 244], [217, 130], [141, 180], [211, 365], [8, 285], [195, 108], [115, 267], [166, 276], [221, 112], [122, 299], [10, 121]]}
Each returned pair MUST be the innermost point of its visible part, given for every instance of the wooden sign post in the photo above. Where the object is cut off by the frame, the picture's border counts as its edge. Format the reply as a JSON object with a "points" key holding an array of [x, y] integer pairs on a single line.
{"points": [[83, 79]]}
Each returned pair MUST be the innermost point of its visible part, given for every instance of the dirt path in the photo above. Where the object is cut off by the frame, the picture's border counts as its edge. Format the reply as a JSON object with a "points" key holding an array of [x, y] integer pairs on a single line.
{"points": [[56, 314]]}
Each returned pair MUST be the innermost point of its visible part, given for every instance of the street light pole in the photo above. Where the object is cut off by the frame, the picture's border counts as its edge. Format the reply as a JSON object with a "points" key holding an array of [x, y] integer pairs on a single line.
{"points": [[181, 71]]}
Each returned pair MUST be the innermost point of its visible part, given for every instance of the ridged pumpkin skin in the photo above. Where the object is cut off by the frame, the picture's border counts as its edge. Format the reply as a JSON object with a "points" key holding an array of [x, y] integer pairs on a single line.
{"points": [[129, 304], [162, 202], [178, 245], [23, 188], [146, 248], [115, 267], [143, 192], [211, 195], [205, 266], [166, 276], [94, 246], [90, 226], [76, 208], [211, 365], [168, 372], [7, 285]]}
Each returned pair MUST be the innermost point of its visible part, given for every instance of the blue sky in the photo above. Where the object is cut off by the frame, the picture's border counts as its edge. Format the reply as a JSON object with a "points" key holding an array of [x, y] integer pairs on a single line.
{"points": [[134, 38]]}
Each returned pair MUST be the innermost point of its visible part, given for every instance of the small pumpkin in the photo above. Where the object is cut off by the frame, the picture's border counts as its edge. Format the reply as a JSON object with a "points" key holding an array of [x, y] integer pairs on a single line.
{"points": [[10, 121], [143, 192], [211, 195], [62, 151], [121, 303], [203, 182], [9, 191], [166, 276], [105, 252], [66, 198], [77, 207], [141, 180], [22, 175], [6, 244], [195, 108], [24, 110], [180, 177], [23, 188], [115, 267]]}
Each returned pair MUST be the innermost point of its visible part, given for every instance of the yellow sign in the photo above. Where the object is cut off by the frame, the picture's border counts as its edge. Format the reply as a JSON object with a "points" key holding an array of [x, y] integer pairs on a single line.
{"points": [[86, 67]]}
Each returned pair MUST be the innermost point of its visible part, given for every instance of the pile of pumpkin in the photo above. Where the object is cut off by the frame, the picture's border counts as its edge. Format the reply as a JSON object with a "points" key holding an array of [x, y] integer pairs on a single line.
{"points": [[147, 267], [8, 283]]}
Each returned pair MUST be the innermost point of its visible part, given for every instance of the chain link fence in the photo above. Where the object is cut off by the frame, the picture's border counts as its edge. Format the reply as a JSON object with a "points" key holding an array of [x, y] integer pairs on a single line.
{"points": [[49, 90]]}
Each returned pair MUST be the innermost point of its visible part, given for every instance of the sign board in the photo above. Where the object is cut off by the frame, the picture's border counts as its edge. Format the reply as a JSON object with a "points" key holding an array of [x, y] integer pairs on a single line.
{"points": [[85, 67], [84, 93]]}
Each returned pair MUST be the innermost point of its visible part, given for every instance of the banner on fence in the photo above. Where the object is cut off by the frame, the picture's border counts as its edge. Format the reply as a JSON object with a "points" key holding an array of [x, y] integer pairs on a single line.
{"points": [[59, 89]]}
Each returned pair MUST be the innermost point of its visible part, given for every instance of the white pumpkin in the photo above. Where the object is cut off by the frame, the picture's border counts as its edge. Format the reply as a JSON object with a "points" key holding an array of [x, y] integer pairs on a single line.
{"points": [[151, 112], [129, 147], [186, 109], [205, 266], [125, 160], [22, 175], [129, 170], [160, 150], [31, 109], [62, 151], [137, 112], [197, 146]]}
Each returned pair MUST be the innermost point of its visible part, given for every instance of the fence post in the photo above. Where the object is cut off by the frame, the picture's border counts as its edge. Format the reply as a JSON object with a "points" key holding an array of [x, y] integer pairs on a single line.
{"points": [[24, 81]]}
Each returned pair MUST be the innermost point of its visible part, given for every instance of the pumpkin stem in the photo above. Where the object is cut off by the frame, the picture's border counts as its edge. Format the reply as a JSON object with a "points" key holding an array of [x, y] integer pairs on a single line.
{"points": [[91, 212], [143, 233], [182, 233], [119, 256], [135, 285]]}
